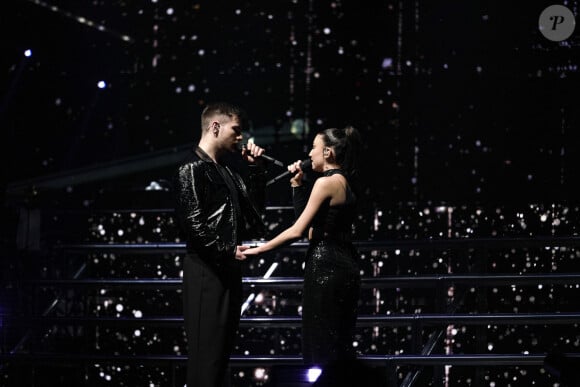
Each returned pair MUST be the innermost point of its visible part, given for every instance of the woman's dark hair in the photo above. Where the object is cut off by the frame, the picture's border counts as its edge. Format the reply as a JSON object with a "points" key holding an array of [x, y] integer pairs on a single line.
{"points": [[347, 144]]}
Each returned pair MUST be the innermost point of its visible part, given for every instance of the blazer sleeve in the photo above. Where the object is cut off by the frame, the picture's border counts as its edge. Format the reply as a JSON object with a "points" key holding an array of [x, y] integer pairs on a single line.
{"points": [[256, 187], [254, 207]]}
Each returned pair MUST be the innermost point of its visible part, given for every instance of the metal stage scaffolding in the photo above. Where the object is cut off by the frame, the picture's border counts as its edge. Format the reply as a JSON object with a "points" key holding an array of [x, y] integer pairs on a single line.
{"points": [[101, 313]]}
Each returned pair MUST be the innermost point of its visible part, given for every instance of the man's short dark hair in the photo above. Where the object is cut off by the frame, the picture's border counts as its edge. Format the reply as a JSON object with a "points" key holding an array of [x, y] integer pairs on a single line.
{"points": [[223, 108]]}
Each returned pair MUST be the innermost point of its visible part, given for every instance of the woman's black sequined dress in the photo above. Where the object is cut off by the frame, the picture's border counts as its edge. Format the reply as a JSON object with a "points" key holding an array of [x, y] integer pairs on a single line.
{"points": [[331, 283]]}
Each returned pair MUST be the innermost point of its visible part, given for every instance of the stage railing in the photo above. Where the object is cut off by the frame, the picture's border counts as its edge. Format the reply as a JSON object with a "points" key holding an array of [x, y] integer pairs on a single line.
{"points": [[296, 282], [414, 320], [432, 319], [260, 361], [460, 243]]}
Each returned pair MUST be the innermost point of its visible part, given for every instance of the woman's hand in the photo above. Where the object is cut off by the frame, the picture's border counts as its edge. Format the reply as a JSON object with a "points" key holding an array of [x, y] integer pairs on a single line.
{"points": [[252, 251], [296, 169], [240, 252]]}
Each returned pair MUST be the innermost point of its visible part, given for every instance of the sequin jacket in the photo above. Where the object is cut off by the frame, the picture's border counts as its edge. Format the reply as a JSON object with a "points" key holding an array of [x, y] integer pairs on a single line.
{"points": [[206, 212]]}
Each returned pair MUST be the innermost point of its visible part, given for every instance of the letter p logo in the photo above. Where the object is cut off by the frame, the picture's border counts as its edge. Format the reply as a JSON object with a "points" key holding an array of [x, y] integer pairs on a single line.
{"points": [[557, 23], [557, 20]]}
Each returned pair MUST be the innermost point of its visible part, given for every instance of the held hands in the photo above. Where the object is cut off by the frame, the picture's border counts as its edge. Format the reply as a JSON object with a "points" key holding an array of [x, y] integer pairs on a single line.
{"points": [[296, 169], [251, 153], [240, 252], [244, 252], [252, 252]]}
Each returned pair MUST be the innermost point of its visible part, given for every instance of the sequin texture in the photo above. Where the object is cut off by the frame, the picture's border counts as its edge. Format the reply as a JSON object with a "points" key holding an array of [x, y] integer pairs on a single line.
{"points": [[331, 293]]}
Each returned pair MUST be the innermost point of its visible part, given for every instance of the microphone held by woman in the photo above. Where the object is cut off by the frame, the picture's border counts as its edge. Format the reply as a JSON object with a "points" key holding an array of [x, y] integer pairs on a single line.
{"points": [[304, 164]]}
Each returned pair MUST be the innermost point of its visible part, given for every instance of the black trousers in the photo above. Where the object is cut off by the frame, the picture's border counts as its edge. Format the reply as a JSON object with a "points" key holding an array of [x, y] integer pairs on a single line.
{"points": [[212, 298]]}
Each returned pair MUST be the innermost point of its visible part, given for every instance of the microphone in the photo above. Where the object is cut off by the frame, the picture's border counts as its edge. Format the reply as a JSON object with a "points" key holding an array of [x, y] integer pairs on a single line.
{"points": [[268, 158], [305, 164], [272, 160]]}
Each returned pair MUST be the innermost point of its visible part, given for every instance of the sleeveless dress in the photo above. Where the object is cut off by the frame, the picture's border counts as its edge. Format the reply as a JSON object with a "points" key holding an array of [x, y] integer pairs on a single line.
{"points": [[331, 283]]}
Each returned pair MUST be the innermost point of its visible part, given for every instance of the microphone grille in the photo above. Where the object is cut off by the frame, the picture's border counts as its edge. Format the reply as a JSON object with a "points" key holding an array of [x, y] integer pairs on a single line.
{"points": [[306, 164]]}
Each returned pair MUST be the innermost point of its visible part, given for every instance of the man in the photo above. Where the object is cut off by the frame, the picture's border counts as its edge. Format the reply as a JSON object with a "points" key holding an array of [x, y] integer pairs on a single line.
{"points": [[216, 211]]}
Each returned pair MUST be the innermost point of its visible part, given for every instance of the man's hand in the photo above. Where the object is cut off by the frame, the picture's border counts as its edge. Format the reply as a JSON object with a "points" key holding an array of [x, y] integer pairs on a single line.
{"points": [[252, 152]]}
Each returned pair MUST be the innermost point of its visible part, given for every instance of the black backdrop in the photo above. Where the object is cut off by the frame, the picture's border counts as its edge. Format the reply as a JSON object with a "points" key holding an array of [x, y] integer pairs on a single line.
{"points": [[459, 102]]}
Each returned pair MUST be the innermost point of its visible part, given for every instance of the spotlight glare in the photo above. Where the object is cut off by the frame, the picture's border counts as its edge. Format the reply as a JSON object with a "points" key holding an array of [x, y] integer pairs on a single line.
{"points": [[28, 53], [260, 374], [101, 84], [387, 63], [312, 374]]}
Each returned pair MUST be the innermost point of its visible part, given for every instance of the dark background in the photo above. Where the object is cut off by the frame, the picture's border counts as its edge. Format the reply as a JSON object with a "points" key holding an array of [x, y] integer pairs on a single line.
{"points": [[458, 102], [470, 118]]}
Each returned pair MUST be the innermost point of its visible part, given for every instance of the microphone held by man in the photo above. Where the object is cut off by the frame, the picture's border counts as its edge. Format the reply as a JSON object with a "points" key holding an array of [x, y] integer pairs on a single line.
{"points": [[266, 157]]}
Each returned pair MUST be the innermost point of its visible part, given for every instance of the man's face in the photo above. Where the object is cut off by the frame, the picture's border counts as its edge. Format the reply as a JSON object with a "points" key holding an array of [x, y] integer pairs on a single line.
{"points": [[230, 133]]}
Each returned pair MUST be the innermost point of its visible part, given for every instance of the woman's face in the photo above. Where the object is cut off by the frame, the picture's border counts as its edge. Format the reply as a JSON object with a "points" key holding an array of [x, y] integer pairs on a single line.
{"points": [[317, 154]]}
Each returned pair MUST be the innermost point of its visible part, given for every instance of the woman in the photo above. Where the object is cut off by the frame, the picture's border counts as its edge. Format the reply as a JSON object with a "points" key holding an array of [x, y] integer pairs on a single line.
{"points": [[332, 277]]}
